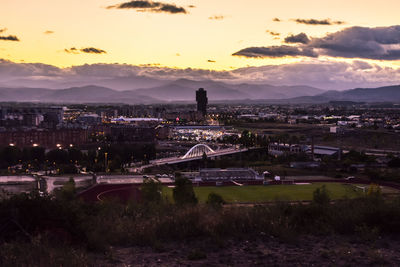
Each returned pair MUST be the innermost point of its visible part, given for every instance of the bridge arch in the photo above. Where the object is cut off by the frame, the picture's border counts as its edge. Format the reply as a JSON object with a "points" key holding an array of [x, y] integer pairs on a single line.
{"points": [[198, 151]]}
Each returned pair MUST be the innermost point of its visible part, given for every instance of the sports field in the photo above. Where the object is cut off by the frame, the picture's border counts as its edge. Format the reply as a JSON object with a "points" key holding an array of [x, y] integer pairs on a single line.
{"points": [[260, 193]]}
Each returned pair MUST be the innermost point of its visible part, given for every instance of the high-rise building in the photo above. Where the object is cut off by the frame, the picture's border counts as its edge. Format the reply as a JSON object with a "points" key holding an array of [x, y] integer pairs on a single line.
{"points": [[202, 100]]}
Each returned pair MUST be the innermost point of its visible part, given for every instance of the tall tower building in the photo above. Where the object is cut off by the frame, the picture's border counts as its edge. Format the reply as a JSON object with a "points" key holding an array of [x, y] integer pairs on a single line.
{"points": [[202, 100]]}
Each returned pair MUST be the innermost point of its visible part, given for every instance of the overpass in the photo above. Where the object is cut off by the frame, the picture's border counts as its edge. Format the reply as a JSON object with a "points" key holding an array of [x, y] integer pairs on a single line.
{"points": [[195, 153]]}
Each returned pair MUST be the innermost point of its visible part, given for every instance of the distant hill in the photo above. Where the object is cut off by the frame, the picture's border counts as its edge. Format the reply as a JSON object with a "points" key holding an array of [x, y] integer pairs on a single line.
{"points": [[115, 83], [86, 94], [184, 90], [163, 91], [380, 94]]}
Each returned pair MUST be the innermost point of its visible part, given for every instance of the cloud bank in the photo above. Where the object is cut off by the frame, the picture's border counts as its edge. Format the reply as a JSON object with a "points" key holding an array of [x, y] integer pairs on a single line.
{"points": [[380, 43], [317, 73]]}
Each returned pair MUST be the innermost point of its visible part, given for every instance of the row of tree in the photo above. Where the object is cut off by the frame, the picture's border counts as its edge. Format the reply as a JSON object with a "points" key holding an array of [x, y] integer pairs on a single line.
{"points": [[96, 159]]}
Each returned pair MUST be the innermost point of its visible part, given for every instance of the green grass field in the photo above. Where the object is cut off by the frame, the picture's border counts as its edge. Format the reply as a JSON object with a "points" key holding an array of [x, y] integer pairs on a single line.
{"points": [[259, 193]]}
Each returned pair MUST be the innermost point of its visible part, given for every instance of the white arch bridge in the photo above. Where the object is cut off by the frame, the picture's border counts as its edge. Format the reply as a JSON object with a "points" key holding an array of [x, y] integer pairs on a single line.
{"points": [[194, 153], [198, 151]]}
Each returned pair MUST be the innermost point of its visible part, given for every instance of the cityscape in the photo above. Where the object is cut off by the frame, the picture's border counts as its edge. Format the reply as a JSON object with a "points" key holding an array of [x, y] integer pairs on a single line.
{"points": [[278, 147]]}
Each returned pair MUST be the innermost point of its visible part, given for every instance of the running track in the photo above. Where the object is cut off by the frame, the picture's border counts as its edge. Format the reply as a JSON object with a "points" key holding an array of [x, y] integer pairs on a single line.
{"points": [[127, 192]]}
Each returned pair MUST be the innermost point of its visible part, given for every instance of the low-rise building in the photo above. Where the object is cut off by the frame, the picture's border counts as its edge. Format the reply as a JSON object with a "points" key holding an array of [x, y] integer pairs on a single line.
{"points": [[279, 149], [216, 174]]}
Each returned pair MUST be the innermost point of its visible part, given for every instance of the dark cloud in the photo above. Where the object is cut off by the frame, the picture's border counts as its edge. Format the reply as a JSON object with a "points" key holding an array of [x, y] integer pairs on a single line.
{"points": [[381, 43], [48, 32], [3, 30], [216, 17], [318, 22], [150, 6], [9, 38], [92, 50], [173, 9], [301, 38], [138, 4], [273, 33], [276, 52], [211, 61], [72, 50], [88, 50], [276, 20]]}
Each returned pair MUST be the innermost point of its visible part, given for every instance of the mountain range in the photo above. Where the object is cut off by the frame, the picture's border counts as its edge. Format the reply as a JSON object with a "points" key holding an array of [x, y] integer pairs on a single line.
{"points": [[380, 94], [146, 91]]}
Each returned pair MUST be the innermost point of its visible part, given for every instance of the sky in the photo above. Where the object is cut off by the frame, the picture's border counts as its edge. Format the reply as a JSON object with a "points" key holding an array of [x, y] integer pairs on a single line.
{"points": [[356, 40]]}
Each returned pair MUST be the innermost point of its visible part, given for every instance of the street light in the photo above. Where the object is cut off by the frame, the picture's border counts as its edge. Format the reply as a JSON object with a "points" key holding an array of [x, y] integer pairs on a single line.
{"points": [[105, 160]]}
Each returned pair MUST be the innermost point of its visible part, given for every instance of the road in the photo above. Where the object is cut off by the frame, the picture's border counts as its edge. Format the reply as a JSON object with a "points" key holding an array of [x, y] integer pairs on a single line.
{"points": [[176, 160]]}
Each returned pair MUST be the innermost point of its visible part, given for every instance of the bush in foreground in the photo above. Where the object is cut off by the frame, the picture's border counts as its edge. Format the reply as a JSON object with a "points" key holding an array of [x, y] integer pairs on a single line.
{"points": [[215, 200], [183, 192], [70, 225]]}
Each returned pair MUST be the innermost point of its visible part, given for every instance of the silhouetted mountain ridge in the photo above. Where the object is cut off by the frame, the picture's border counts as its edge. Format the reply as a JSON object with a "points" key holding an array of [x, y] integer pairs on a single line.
{"points": [[184, 90], [380, 94]]}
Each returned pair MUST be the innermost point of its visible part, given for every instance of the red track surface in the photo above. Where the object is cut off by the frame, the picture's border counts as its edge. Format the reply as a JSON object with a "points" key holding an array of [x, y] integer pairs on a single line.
{"points": [[119, 192]]}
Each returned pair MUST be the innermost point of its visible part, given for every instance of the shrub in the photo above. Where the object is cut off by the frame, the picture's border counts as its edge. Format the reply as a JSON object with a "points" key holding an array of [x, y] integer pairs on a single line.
{"points": [[151, 191], [183, 192], [68, 191], [321, 196], [196, 255], [215, 200], [394, 163]]}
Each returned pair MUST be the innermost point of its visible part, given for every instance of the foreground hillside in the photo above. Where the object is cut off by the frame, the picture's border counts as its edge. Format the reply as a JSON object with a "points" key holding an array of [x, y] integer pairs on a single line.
{"points": [[68, 232], [262, 251]]}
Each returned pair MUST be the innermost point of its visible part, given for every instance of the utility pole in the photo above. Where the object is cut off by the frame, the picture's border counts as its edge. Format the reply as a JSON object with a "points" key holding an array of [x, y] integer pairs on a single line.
{"points": [[105, 161]]}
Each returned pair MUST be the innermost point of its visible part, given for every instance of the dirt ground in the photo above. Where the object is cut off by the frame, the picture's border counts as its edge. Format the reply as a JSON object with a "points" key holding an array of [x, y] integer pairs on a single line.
{"points": [[265, 251]]}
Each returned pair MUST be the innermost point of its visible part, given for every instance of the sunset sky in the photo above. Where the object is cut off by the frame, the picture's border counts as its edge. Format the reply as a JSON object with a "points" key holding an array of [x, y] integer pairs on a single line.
{"points": [[201, 34]]}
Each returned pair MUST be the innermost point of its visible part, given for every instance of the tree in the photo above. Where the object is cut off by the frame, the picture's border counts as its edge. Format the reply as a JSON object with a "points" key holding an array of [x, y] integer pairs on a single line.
{"points": [[394, 163], [215, 200], [183, 192], [204, 159], [247, 138], [58, 156], [321, 196], [151, 191], [68, 191]]}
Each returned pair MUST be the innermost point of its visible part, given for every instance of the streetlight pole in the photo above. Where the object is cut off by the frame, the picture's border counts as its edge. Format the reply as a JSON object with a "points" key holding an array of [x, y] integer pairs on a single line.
{"points": [[105, 160]]}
